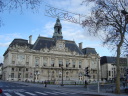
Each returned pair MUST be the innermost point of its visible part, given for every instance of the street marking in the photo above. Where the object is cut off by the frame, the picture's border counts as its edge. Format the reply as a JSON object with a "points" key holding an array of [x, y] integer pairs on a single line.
{"points": [[14, 90], [41, 93], [19, 94], [65, 92], [7, 94], [61, 92], [72, 93], [51, 93], [30, 93]]}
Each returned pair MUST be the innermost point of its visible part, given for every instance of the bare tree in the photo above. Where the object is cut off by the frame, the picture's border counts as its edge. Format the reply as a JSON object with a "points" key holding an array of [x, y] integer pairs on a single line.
{"points": [[9, 5], [111, 18]]}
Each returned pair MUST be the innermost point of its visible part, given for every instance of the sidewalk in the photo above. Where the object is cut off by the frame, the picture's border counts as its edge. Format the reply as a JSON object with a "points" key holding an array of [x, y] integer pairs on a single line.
{"points": [[73, 88]]}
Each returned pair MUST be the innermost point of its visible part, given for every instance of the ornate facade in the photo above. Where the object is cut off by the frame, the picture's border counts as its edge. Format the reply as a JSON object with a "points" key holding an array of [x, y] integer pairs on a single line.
{"points": [[50, 59]]}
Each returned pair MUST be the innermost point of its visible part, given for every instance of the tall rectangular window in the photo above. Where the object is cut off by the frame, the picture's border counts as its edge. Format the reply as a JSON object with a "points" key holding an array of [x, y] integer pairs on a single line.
{"points": [[13, 58], [19, 75], [109, 73], [19, 69], [52, 62], [26, 69], [67, 63], [12, 69], [60, 63], [45, 61], [80, 64], [73, 63], [12, 75], [26, 75], [36, 61]]}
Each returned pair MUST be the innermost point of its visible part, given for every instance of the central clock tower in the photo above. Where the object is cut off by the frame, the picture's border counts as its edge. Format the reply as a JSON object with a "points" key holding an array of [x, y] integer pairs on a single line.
{"points": [[57, 30]]}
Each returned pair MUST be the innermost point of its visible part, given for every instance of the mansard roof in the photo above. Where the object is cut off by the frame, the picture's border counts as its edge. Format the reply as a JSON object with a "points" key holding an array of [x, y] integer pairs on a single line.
{"points": [[89, 51], [71, 45], [20, 42], [112, 60], [44, 42]]}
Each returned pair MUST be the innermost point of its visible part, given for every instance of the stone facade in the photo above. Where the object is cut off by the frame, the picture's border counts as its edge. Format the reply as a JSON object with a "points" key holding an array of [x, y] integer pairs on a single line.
{"points": [[50, 59], [1, 68]]}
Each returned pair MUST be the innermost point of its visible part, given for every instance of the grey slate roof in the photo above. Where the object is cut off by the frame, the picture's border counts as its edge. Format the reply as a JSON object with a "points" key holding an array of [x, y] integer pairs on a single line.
{"points": [[107, 59], [44, 42], [73, 47], [89, 51], [20, 42]]}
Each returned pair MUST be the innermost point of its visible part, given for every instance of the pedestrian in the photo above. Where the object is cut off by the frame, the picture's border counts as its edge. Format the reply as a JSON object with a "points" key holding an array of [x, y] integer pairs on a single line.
{"points": [[45, 83], [86, 84], [123, 82], [75, 83]]}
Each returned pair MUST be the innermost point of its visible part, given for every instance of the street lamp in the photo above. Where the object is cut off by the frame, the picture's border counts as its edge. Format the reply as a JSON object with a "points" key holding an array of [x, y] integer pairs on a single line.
{"points": [[34, 74], [23, 74], [98, 84]]}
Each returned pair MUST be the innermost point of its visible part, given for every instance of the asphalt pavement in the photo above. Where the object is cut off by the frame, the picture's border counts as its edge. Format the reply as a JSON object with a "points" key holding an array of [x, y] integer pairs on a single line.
{"points": [[90, 90]]}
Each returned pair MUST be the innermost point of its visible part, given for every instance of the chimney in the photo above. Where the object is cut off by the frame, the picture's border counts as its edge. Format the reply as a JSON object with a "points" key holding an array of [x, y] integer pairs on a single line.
{"points": [[30, 39], [80, 45]]}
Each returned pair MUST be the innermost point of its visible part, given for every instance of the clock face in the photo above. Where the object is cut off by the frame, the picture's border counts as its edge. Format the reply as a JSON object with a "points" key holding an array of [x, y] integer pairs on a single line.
{"points": [[60, 45], [20, 58]]}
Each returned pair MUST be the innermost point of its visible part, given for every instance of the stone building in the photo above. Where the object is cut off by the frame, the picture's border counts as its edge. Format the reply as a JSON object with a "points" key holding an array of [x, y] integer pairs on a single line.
{"points": [[108, 67], [1, 70], [51, 59]]}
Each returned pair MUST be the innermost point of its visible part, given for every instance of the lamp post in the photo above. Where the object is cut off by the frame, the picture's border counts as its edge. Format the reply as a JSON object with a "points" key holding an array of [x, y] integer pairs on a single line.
{"points": [[34, 74], [23, 74], [98, 84]]}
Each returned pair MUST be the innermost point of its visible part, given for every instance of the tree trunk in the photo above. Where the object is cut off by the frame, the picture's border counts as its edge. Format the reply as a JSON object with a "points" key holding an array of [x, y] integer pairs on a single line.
{"points": [[118, 71], [118, 64]]}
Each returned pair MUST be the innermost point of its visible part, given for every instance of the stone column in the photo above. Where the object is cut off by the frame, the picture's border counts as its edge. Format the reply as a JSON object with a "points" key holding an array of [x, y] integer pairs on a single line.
{"points": [[49, 62], [64, 63], [56, 62], [9, 59], [42, 61], [77, 63], [70, 63], [30, 60]]}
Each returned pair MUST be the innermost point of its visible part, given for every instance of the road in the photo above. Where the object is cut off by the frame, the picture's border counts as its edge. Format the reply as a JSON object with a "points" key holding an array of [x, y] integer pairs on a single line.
{"points": [[15, 89]]}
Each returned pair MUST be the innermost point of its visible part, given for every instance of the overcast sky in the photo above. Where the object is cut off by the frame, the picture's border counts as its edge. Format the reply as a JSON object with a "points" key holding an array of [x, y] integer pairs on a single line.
{"points": [[22, 25]]}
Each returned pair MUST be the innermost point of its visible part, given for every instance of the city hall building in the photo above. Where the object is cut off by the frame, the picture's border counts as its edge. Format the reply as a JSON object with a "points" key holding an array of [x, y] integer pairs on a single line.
{"points": [[50, 59]]}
